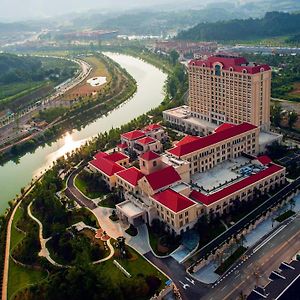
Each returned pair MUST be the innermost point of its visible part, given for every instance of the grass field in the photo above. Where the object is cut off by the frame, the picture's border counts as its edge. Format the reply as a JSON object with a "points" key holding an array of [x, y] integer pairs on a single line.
{"points": [[18, 276], [136, 266], [83, 187], [9, 90], [84, 89], [285, 216]]}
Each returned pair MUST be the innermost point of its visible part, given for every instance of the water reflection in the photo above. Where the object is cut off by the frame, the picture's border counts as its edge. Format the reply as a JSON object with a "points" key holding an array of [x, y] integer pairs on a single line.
{"points": [[150, 81], [68, 145]]}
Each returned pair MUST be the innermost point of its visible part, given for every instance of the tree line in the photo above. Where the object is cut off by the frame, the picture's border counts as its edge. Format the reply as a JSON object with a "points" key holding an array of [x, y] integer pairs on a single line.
{"points": [[16, 69], [271, 25]]}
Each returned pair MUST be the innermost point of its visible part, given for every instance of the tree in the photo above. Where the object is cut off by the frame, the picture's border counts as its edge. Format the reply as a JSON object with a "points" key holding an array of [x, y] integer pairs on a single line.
{"points": [[174, 56], [276, 114], [293, 118]]}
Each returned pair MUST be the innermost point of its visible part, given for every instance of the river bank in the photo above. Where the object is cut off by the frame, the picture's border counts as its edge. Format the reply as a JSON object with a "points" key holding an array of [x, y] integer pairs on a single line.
{"points": [[14, 176]]}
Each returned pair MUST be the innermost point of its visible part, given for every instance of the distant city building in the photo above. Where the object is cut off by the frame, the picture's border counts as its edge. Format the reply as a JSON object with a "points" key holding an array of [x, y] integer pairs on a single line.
{"points": [[90, 34], [187, 49]]}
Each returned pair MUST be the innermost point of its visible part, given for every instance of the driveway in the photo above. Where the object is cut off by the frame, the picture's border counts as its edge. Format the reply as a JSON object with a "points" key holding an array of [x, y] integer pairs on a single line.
{"points": [[140, 242], [189, 288]]}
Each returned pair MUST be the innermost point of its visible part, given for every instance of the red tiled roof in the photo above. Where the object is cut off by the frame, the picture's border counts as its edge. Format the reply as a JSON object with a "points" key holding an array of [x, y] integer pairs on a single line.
{"points": [[149, 155], [172, 200], [106, 166], [122, 146], [209, 199], [131, 175], [133, 135], [116, 156], [146, 140], [224, 126], [238, 64], [211, 139], [100, 155], [152, 127], [264, 159], [162, 178], [187, 139]]}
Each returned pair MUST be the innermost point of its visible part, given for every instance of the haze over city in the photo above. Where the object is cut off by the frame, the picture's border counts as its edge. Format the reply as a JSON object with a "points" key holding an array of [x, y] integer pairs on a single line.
{"points": [[150, 150]]}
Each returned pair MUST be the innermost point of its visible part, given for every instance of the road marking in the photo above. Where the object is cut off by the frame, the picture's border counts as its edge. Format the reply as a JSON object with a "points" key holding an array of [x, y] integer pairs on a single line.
{"points": [[190, 280], [224, 287], [269, 238], [237, 276], [184, 285]]}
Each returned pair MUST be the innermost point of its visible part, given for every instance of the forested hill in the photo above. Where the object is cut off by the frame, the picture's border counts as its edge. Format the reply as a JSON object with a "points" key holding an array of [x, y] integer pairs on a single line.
{"points": [[17, 69], [13, 67], [273, 24]]}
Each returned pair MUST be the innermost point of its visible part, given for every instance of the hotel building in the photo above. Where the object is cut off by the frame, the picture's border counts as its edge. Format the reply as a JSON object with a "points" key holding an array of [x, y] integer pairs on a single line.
{"points": [[225, 89], [199, 176]]}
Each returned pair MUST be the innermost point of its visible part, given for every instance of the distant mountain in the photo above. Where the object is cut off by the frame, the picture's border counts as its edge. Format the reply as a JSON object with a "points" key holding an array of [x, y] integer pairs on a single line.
{"points": [[271, 25], [155, 23]]}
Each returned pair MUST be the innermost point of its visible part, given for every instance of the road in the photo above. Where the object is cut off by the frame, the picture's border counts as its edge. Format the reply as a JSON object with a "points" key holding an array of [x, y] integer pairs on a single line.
{"points": [[26, 113], [257, 268], [189, 288], [266, 259], [8, 239], [72, 192], [252, 216]]}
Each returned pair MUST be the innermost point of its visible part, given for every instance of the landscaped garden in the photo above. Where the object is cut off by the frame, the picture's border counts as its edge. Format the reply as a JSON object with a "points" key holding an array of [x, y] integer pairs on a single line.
{"points": [[161, 242], [91, 185], [20, 277], [285, 216], [230, 260]]}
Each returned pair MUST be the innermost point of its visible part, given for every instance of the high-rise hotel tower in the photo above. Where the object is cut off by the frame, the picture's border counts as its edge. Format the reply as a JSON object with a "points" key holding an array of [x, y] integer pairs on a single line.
{"points": [[225, 88]]}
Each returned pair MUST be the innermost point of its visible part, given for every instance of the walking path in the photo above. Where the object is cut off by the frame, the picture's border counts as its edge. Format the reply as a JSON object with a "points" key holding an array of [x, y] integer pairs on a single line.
{"points": [[140, 242], [112, 252], [44, 250], [8, 241]]}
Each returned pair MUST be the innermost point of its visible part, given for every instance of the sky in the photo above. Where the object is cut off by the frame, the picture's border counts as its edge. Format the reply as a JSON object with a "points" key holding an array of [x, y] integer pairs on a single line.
{"points": [[15, 10]]}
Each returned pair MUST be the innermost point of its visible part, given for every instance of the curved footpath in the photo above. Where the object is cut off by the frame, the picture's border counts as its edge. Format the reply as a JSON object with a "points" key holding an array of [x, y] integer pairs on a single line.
{"points": [[168, 266], [44, 250], [8, 241]]}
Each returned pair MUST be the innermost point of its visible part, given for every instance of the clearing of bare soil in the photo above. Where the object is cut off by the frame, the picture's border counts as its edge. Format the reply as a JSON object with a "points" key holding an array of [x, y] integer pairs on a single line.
{"points": [[85, 89]]}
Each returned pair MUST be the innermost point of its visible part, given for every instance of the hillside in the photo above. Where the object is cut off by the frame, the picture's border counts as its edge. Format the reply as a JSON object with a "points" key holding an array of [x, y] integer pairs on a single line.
{"points": [[271, 25]]}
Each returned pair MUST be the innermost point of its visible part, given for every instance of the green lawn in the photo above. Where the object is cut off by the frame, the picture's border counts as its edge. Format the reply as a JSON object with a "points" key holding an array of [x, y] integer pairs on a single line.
{"points": [[20, 277], [14, 89], [108, 202], [154, 242], [136, 266], [83, 187], [230, 260], [285, 216]]}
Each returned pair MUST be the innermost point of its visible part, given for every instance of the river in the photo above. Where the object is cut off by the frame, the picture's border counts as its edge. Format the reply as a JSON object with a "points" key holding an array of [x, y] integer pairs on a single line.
{"points": [[150, 82]]}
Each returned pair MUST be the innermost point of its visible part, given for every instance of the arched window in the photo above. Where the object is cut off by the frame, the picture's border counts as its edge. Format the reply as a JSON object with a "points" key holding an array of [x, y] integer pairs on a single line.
{"points": [[203, 65], [244, 71], [262, 69], [218, 70], [231, 69]]}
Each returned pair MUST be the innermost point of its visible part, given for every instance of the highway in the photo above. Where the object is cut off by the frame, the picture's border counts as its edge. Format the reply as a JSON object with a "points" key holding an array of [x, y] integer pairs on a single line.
{"points": [[257, 268]]}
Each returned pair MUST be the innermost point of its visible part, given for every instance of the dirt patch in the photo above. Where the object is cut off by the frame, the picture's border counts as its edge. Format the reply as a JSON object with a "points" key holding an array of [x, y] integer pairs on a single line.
{"points": [[85, 89]]}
